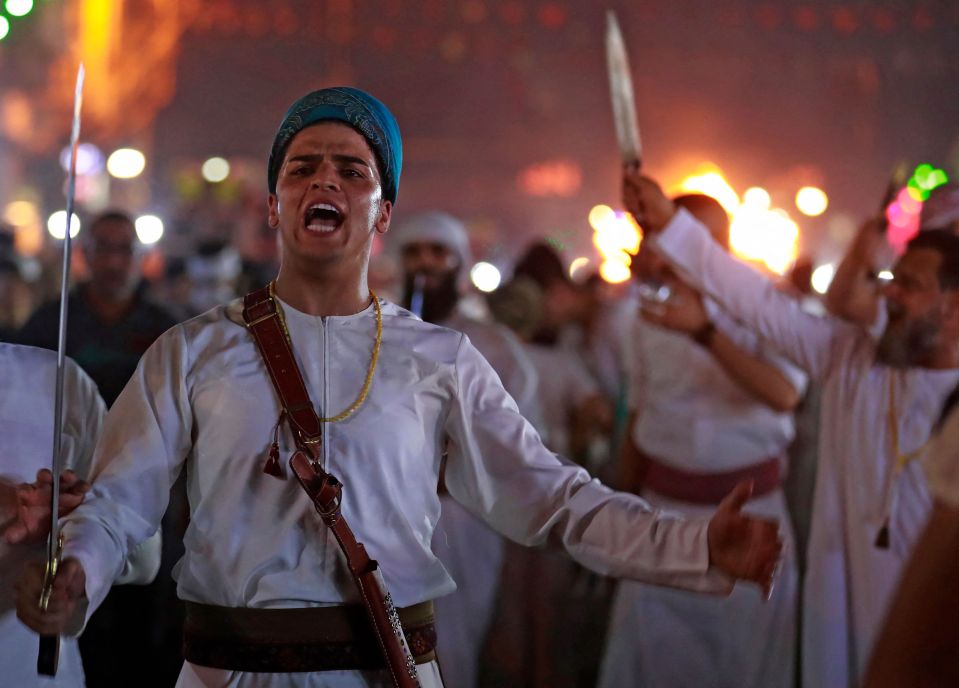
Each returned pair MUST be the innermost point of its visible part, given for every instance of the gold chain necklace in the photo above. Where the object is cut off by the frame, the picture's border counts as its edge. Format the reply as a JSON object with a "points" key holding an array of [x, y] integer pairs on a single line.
{"points": [[373, 359]]}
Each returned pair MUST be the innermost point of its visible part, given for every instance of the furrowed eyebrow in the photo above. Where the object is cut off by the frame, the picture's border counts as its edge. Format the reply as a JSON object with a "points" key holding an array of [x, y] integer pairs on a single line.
{"points": [[336, 157]]}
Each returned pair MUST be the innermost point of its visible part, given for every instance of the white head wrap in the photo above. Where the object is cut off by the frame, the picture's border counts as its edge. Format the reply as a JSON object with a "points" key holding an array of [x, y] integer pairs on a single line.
{"points": [[435, 227], [941, 209]]}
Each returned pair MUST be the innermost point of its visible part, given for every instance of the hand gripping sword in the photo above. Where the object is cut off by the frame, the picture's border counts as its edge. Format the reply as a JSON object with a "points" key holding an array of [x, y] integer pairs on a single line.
{"points": [[49, 654], [621, 92]]}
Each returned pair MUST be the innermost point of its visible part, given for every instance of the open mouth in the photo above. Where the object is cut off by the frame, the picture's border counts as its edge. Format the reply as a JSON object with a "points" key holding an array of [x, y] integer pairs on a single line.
{"points": [[322, 218]]}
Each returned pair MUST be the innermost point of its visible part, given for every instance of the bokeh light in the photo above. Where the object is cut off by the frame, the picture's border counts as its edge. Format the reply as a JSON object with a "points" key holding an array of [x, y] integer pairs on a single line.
{"points": [[812, 201], [215, 170], [149, 229], [614, 271], [89, 159], [757, 197], [57, 225], [578, 266], [19, 8], [4, 27], [126, 163], [822, 277], [485, 276]]}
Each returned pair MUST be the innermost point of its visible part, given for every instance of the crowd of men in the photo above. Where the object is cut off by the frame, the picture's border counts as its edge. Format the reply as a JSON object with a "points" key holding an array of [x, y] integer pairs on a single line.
{"points": [[468, 433]]}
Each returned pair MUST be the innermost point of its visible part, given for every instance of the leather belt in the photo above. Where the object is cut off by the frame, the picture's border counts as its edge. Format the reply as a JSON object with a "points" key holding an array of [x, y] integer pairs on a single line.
{"points": [[301, 639], [709, 488]]}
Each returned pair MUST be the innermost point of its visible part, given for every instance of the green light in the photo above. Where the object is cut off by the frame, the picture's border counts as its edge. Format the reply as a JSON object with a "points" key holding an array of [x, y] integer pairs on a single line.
{"points": [[4, 27], [19, 8], [926, 178]]}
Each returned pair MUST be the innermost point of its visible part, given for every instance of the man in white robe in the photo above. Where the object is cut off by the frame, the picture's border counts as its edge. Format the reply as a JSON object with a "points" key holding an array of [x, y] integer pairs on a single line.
{"points": [[712, 404], [879, 402], [202, 398], [26, 429], [435, 255]]}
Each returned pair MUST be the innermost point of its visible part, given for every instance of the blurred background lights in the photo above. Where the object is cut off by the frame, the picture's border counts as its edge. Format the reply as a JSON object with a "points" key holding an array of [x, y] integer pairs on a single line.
{"points": [[884, 275], [19, 8], [616, 237], [215, 170], [149, 229], [822, 277], [126, 163], [709, 180], [20, 213], [757, 197], [614, 271], [57, 225], [904, 213], [812, 201], [4, 27], [757, 232], [599, 215], [89, 159], [485, 276], [577, 267]]}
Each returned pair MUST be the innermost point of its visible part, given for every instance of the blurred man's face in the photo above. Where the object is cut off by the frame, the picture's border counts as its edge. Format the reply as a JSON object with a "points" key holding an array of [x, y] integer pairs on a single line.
{"points": [[114, 267], [433, 260], [915, 303]]}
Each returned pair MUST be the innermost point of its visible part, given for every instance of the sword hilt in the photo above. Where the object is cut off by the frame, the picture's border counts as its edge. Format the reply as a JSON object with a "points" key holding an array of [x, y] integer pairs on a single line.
{"points": [[48, 655]]}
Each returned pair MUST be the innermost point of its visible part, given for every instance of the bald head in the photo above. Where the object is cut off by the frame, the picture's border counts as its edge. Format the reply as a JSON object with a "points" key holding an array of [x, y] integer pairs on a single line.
{"points": [[707, 210]]}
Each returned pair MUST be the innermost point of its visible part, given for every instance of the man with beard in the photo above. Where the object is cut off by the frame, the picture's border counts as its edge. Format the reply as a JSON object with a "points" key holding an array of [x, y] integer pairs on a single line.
{"points": [[271, 599], [435, 256], [855, 291], [879, 403]]}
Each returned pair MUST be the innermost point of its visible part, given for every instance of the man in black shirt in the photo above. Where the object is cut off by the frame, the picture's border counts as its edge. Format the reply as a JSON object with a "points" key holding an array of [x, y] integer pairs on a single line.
{"points": [[111, 322]]}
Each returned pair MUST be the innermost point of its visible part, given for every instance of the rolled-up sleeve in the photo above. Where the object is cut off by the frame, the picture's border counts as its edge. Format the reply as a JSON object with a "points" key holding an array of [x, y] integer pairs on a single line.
{"points": [[499, 469]]}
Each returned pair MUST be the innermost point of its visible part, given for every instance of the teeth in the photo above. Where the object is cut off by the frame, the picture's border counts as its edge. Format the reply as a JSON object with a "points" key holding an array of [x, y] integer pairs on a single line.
{"points": [[316, 223]]}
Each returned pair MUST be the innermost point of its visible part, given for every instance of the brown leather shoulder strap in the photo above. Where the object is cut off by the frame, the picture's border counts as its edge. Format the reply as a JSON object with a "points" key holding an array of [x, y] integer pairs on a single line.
{"points": [[262, 320]]}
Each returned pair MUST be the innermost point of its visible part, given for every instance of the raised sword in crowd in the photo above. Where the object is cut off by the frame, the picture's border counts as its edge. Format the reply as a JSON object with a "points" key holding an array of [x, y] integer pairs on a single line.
{"points": [[621, 92], [49, 651]]}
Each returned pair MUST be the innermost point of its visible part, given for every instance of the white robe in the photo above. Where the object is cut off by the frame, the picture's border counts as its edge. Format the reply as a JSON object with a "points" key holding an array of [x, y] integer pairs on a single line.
{"points": [[693, 416], [201, 397], [27, 385], [470, 550], [849, 581]]}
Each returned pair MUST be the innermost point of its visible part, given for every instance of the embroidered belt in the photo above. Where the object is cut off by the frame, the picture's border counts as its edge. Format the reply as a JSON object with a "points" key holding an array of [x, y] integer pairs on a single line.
{"points": [[709, 488], [298, 640]]}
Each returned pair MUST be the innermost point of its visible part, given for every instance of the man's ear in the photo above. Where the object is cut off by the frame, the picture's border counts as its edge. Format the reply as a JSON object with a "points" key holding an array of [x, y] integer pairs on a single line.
{"points": [[382, 223], [273, 218]]}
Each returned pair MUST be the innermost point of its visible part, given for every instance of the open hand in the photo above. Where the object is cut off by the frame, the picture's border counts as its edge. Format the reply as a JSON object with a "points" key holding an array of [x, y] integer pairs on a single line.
{"points": [[645, 200], [743, 546], [68, 590], [683, 312], [32, 522]]}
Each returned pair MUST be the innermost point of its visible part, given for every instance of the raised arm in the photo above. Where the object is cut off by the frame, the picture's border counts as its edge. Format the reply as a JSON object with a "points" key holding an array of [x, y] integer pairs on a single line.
{"points": [[499, 469], [686, 313], [853, 294], [809, 341]]}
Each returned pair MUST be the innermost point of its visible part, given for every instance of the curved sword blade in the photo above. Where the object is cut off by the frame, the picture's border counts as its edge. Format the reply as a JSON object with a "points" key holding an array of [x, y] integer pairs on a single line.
{"points": [[621, 93]]}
